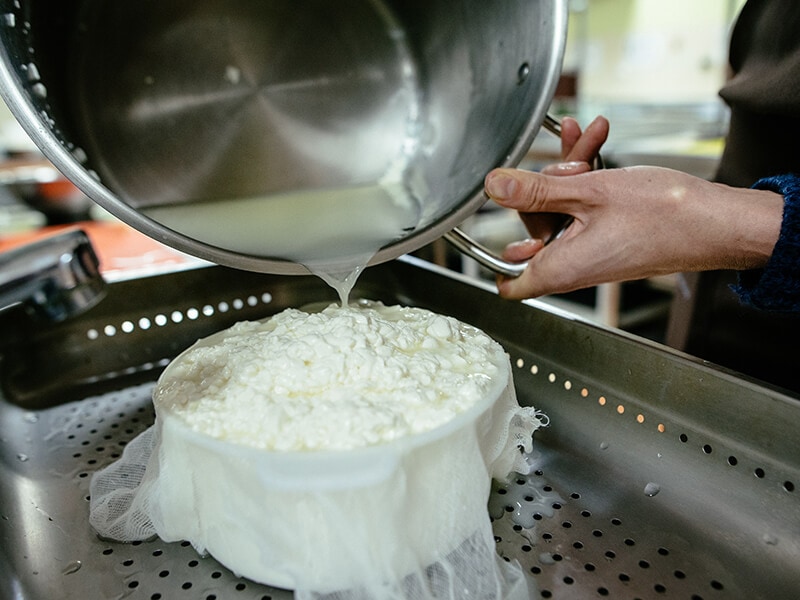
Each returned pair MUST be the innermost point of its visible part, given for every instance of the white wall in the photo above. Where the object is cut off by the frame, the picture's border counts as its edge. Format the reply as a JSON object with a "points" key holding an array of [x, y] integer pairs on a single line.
{"points": [[643, 51]]}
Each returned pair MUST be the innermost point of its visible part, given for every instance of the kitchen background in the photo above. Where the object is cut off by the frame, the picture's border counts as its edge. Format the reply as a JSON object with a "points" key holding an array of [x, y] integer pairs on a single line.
{"points": [[652, 67]]}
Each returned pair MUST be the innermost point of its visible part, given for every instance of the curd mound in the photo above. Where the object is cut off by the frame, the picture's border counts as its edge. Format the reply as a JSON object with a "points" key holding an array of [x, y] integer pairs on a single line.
{"points": [[339, 379]]}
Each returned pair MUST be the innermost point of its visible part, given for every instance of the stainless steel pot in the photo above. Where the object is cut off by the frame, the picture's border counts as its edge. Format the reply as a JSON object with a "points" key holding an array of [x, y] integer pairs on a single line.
{"points": [[145, 105]]}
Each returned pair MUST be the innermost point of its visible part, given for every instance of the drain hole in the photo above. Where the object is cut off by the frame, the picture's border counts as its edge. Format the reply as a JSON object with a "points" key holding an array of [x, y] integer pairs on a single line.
{"points": [[716, 584], [707, 449], [679, 575], [663, 551], [759, 472], [788, 486], [644, 564], [733, 461], [624, 577], [683, 437], [659, 588]]}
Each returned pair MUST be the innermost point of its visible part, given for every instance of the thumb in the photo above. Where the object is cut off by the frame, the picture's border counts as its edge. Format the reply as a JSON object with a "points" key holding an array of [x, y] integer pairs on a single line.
{"points": [[526, 191]]}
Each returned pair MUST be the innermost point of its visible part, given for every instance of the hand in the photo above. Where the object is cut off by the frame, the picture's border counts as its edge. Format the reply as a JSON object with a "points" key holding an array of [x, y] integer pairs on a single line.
{"points": [[579, 152], [634, 223]]}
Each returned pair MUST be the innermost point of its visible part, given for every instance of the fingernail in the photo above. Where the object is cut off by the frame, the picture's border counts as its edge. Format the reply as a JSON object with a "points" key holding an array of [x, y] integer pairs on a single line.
{"points": [[500, 187], [569, 166]]}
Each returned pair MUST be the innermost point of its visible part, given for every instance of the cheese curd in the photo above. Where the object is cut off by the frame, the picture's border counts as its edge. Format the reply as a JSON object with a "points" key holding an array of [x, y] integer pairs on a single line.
{"points": [[343, 378]]}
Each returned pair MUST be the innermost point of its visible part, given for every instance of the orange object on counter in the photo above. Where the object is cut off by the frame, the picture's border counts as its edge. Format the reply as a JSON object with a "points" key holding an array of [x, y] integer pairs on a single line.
{"points": [[123, 251]]}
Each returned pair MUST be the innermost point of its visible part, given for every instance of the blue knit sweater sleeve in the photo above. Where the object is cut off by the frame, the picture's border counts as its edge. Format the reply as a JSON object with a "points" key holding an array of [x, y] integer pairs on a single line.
{"points": [[776, 287]]}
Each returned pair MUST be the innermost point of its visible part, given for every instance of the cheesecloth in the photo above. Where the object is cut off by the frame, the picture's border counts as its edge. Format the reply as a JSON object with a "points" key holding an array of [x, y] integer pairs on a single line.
{"points": [[406, 520]]}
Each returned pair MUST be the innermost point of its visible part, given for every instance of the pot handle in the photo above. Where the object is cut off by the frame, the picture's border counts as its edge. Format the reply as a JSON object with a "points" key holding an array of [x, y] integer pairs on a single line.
{"points": [[486, 257]]}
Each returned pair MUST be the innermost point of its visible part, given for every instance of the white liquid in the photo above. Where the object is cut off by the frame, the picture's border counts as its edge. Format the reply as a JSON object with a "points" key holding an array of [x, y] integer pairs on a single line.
{"points": [[332, 232]]}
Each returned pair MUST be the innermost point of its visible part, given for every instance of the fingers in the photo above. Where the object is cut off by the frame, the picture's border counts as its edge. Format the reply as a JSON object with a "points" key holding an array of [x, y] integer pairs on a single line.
{"points": [[587, 146], [527, 285], [562, 266], [579, 150], [518, 288], [570, 134], [522, 250]]}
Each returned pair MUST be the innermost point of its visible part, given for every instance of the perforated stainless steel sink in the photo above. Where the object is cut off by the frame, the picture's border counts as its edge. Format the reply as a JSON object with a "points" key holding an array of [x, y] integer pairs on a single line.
{"points": [[658, 477]]}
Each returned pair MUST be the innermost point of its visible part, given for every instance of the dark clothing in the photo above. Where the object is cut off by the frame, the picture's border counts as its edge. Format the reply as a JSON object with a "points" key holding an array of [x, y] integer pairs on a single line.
{"points": [[764, 98], [776, 287], [763, 93]]}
